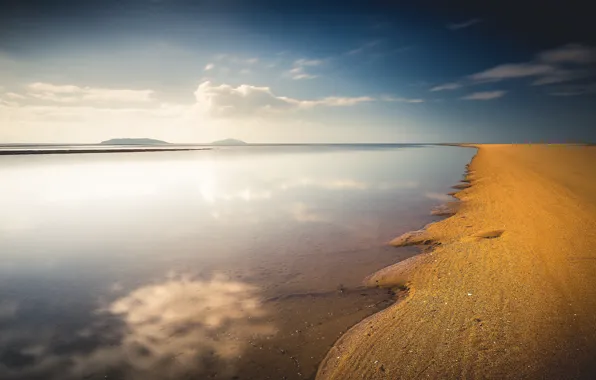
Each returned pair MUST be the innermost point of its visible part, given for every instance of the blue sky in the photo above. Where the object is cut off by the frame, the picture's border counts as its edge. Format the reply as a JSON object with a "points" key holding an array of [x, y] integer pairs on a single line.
{"points": [[188, 71]]}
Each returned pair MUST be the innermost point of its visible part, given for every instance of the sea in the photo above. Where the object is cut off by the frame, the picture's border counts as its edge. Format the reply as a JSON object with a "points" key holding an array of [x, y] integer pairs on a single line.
{"points": [[222, 263]]}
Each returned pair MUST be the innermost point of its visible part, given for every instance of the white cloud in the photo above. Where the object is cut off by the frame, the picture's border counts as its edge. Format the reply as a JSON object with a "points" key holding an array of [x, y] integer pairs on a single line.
{"points": [[447, 86], [59, 122], [225, 100], [298, 73], [334, 101], [465, 24], [362, 48], [304, 76], [52, 88], [12, 95], [218, 110], [71, 93], [299, 70], [252, 61], [308, 62], [513, 70], [570, 53], [209, 66], [485, 95], [228, 101], [109, 95], [401, 100]]}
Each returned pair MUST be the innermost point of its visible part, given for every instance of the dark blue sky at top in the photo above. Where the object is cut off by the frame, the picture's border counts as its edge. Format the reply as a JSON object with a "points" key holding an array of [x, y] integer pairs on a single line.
{"points": [[406, 49]]}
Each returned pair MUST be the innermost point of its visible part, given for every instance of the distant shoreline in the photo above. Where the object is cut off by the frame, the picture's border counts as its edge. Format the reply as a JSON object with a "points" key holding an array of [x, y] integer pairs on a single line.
{"points": [[10, 152], [31, 149]]}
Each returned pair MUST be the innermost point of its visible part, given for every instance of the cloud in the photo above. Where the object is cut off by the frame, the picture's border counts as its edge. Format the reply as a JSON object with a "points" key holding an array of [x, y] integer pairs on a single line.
{"points": [[362, 48], [71, 93], [485, 95], [570, 53], [401, 100], [298, 73], [563, 75], [216, 109], [103, 94], [547, 66], [252, 61], [463, 25], [447, 86], [513, 70], [562, 64], [225, 100], [56, 89], [299, 70], [308, 62], [12, 95], [228, 101], [334, 101], [209, 66]]}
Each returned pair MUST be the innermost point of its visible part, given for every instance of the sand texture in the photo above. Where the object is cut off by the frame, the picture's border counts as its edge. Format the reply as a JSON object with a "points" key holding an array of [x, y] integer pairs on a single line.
{"points": [[508, 290]]}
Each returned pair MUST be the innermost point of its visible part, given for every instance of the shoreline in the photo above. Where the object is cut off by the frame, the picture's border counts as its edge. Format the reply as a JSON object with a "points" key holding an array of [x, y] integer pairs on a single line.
{"points": [[16, 152], [484, 299]]}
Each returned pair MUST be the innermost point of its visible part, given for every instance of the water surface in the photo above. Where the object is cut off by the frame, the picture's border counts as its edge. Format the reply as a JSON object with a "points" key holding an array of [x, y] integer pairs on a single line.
{"points": [[233, 263]]}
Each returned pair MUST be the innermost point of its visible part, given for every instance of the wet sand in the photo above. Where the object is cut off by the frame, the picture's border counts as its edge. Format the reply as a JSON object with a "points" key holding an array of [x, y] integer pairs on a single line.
{"points": [[505, 288]]}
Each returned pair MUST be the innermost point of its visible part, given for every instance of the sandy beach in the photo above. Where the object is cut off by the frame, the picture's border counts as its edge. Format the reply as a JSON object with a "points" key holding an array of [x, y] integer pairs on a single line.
{"points": [[505, 288]]}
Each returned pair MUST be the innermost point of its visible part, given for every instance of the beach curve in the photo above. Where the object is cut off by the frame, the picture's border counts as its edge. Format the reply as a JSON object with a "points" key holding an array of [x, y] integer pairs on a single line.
{"points": [[508, 289]]}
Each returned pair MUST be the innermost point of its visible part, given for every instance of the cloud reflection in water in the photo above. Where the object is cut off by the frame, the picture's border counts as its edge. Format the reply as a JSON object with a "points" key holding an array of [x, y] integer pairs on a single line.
{"points": [[183, 325], [178, 327]]}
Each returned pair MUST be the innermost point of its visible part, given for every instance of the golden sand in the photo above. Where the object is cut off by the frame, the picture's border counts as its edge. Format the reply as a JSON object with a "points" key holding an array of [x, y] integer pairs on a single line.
{"points": [[509, 288]]}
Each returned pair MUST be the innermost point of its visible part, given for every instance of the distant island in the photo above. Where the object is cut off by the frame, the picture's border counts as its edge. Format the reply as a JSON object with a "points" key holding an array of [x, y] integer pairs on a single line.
{"points": [[133, 141], [228, 142]]}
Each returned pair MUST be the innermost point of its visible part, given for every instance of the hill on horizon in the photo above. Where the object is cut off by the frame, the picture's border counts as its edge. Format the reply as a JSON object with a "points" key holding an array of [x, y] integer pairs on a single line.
{"points": [[229, 142]]}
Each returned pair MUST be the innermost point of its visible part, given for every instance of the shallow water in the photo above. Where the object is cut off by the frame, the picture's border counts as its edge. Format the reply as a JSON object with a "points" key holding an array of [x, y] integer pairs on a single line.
{"points": [[241, 263]]}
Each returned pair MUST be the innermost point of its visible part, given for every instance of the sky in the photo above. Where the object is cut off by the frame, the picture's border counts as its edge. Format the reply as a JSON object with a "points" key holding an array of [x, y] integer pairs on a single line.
{"points": [[297, 71]]}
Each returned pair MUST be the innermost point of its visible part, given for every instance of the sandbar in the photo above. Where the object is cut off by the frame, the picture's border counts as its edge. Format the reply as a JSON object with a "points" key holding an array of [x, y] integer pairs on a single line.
{"points": [[505, 288]]}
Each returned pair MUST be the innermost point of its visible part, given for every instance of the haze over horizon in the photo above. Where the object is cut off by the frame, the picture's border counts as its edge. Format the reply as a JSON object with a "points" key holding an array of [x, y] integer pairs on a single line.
{"points": [[297, 72]]}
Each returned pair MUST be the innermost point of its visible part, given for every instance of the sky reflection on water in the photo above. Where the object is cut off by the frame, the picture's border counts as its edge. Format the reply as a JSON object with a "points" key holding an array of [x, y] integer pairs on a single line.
{"points": [[156, 265]]}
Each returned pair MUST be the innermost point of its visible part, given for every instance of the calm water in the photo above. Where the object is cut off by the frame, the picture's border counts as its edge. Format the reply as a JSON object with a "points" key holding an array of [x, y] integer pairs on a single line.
{"points": [[234, 263]]}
